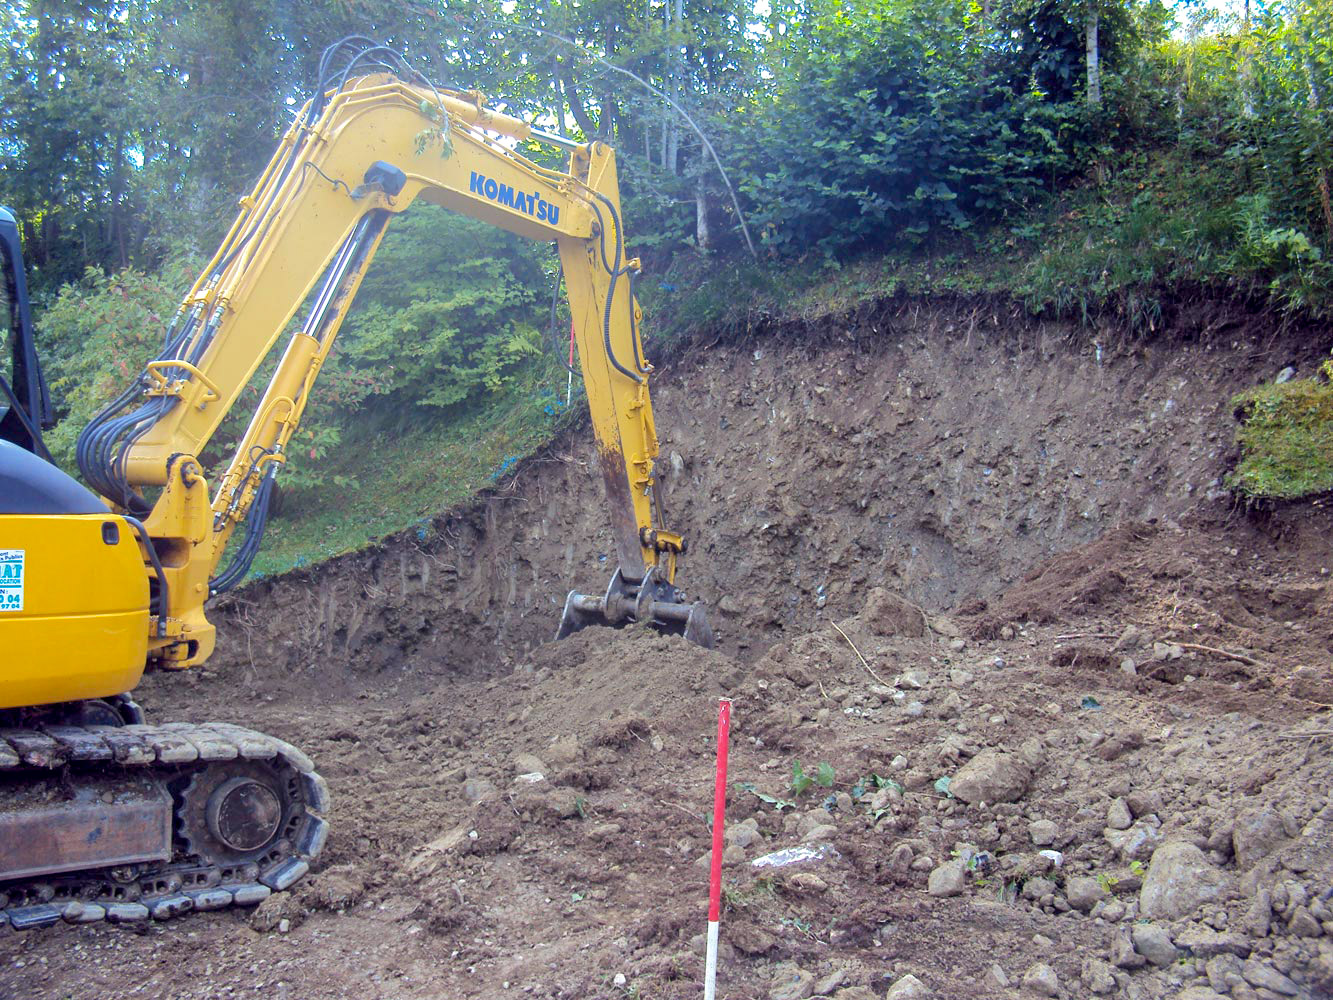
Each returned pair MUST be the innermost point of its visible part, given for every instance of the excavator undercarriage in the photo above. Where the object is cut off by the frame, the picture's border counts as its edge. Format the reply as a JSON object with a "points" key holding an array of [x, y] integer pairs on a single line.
{"points": [[130, 822]]}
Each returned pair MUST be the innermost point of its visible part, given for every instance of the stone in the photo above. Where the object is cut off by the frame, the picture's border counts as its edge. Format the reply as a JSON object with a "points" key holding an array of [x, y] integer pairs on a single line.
{"points": [[823, 832], [949, 879], [564, 750], [914, 680], [527, 763], [901, 857], [832, 981], [1098, 976], [1199, 993], [1263, 976], [805, 884], [1136, 843], [1256, 834], [1154, 943], [946, 627], [855, 993], [1302, 924], [991, 776], [1180, 879], [1037, 888], [793, 984], [1222, 972], [888, 614], [1204, 942], [1085, 892], [1123, 954], [1118, 816], [1041, 980], [1258, 917], [1042, 832], [743, 835], [908, 988], [279, 908], [952, 706], [1145, 803], [996, 978]]}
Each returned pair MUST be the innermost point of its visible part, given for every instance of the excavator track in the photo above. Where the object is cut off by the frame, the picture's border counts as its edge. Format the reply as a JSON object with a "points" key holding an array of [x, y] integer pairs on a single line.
{"points": [[232, 814]]}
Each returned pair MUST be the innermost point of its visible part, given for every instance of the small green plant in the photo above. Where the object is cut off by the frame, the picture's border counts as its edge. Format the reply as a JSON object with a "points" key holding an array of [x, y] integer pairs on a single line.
{"points": [[772, 800], [801, 782], [1107, 881], [1137, 868]]}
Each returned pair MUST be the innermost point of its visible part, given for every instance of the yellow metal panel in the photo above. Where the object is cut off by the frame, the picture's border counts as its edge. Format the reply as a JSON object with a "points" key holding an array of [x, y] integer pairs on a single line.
{"points": [[83, 629]]}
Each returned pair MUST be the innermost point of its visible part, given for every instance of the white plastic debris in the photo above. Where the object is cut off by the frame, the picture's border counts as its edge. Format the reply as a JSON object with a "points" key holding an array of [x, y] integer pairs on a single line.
{"points": [[795, 856]]}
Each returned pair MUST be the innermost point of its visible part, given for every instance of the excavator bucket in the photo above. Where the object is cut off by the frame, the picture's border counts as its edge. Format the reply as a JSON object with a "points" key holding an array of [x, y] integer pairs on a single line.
{"points": [[651, 601]]}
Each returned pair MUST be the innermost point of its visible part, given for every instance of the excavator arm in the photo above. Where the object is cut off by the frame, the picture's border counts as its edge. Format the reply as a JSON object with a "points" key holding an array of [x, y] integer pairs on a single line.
{"points": [[357, 155]]}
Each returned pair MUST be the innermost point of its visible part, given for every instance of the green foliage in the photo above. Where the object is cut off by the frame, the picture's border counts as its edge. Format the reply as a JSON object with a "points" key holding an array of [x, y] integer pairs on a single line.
{"points": [[96, 337], [1286, 439], [802, 782], [448, 311]]}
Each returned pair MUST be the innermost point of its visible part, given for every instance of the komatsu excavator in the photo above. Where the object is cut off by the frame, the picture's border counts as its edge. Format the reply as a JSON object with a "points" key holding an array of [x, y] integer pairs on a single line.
{"points": [[101, 815]]}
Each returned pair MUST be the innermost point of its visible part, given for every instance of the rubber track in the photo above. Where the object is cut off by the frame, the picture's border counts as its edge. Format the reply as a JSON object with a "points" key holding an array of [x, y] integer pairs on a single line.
{"points": [[174, 888]]}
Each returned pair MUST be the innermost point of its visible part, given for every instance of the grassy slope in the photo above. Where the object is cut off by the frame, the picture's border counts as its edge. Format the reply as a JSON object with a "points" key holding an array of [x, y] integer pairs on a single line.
{"points": [[401, 477], [1153, 223]]}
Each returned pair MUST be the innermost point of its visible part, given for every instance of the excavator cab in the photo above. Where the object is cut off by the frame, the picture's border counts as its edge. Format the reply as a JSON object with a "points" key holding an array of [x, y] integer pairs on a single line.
{"points": [[25, 401]]}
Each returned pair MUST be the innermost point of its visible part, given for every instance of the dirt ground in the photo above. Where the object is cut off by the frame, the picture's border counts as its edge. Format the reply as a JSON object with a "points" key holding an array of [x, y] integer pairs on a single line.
{"points": [[989, 578]]}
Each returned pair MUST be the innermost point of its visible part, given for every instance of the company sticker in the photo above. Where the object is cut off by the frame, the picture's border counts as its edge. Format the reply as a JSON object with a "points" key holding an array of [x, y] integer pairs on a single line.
{"points": [[11, 579]]}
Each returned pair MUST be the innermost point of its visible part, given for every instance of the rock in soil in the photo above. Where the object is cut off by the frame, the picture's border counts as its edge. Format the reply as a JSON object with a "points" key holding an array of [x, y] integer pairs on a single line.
{"points": [[1180, 879]]}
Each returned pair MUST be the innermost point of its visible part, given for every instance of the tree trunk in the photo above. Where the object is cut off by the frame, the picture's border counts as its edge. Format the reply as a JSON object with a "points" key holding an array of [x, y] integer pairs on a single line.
{"points": [[702, 237], [576, 107], [673, 135], [1091, 24], [1246, 68]]}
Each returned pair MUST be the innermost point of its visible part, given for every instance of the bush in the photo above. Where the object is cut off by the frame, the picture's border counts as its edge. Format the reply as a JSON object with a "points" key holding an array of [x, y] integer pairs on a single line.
{"points": [[1286, 439]]}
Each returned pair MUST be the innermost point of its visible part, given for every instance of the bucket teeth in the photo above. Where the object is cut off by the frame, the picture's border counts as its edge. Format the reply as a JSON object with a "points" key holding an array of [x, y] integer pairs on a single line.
{"points": [[649, 601]]}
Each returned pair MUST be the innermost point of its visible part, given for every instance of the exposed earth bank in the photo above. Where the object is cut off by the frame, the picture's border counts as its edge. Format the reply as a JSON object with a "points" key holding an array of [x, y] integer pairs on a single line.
{"points": [[1074, 706]]}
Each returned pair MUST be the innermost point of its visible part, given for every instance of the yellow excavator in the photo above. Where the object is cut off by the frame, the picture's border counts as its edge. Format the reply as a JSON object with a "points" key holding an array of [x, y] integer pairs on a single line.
{"points": [[103, 816]]}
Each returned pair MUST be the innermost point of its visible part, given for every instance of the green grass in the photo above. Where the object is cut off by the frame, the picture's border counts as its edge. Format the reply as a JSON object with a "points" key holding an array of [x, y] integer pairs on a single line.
{"points": [[402, 475], [1151, 226], [1286, 439]]}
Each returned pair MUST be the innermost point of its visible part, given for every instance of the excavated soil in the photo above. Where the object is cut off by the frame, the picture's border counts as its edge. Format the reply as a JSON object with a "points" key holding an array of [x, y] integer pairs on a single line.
{"points": [[938, 544]]}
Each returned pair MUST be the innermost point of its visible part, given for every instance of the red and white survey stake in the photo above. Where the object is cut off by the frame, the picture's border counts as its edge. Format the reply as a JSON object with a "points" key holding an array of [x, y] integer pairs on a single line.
{"points": [[715, 876]]}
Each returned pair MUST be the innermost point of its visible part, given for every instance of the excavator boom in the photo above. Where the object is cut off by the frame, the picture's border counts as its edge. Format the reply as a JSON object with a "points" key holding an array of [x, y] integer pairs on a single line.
{"points": [[104, 816], [355, 158]]}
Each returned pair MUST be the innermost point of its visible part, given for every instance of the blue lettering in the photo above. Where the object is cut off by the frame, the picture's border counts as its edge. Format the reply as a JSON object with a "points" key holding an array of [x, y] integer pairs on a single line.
{"points": [[477, 182], [553, 214], [542, 206], [491, 189], [506, 196]]}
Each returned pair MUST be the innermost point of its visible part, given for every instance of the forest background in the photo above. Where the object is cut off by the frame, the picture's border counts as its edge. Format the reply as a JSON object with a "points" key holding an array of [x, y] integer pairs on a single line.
{"points": [[1088, 158]]}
